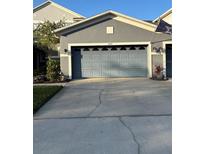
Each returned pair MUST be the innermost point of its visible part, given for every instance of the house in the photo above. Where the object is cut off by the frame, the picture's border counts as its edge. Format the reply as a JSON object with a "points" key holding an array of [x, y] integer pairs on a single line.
{"points": [[167, 17], [53, 12], [112, 44], [164, 23]]}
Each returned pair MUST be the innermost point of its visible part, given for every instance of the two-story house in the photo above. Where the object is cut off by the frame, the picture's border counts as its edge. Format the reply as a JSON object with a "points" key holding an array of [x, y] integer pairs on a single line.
{"points": [[53, 12]]}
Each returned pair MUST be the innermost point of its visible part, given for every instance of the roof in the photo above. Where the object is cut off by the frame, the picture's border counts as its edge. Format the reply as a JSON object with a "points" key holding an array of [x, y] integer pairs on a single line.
{"points": [[149, 21], [48, 2], [163, 15], [126, 18]]}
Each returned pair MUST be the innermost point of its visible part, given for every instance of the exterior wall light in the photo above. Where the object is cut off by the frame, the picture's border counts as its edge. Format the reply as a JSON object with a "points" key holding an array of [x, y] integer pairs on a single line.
{"points": [[157, 50], [65, 50], [154, 49]]}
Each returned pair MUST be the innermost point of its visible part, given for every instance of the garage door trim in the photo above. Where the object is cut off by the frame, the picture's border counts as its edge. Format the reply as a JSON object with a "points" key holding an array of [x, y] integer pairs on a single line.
{"points": [[148, 44]]}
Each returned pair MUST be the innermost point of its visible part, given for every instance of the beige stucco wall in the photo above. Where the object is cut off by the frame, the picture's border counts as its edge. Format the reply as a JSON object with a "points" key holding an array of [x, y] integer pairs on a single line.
{"points": [[52, 13], [168, 19]]}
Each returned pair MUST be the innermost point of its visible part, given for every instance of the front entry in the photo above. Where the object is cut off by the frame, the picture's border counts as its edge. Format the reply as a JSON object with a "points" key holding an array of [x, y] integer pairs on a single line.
{"points": [[169, 60]]}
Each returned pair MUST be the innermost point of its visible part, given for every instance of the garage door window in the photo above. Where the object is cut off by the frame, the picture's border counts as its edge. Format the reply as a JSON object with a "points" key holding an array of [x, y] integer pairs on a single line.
{"points": [[132, 48], [141, 48], [122, 48], [86, 49], [95, 49], [113, 48], [104, 49]]}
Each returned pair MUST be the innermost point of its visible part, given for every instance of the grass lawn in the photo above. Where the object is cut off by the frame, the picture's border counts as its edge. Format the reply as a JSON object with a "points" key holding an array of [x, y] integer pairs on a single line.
{"points": [[41, 94]]}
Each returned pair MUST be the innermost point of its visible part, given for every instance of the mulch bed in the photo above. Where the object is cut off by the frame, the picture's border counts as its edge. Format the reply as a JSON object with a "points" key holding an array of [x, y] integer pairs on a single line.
{"points": [[159, 79], [51, 81]]}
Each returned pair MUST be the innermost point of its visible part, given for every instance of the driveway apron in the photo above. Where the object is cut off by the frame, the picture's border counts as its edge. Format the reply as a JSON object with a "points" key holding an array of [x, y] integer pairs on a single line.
{"points": [[106, 116]]}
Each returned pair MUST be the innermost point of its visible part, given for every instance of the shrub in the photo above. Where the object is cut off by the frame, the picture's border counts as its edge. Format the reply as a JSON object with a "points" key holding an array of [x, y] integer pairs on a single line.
{"points": [[53, 69], [158, 69], [158, 72]]}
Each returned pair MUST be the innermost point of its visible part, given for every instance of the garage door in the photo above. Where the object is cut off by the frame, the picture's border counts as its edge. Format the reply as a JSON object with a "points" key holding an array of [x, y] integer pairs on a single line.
{"points": [[109, 61]]}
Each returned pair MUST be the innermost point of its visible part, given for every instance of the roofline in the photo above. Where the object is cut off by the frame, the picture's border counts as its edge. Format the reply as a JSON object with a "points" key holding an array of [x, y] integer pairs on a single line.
{"points": [[132, 18], [104, 13], [35, 8], [163, 15], [58, 6]]}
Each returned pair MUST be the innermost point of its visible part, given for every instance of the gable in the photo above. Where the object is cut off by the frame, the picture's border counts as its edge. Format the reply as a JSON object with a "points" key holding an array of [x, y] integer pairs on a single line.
{"points": [[106, 16], [167, 17], [137, 24], [53, 12], [122, 32]]}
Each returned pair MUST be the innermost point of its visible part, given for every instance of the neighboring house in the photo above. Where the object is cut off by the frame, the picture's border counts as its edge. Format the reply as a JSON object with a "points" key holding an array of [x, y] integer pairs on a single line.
{"points": [[167, 17], [111, 44], [53, 12], [164, 23]]}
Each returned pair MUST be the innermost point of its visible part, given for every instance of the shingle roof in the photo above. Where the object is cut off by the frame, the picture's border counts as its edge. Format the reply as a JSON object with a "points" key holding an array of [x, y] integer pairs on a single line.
{"points": [[163, 15], [150, 24]]}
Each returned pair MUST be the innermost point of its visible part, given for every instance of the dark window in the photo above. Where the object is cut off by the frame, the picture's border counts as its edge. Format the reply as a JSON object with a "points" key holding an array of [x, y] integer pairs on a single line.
{"points": [[132, 48], [86, 49], [123, 48], [95, 49], [113, 48], [141, 48], [104, 49]]}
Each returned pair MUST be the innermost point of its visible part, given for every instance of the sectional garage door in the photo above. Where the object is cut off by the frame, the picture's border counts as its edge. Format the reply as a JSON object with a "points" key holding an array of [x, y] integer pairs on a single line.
{"points": [[109, 61]]}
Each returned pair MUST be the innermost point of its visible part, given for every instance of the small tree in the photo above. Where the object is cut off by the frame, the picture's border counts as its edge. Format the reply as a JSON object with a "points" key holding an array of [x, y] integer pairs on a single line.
{"points": [[53, 70], [44, 36]]}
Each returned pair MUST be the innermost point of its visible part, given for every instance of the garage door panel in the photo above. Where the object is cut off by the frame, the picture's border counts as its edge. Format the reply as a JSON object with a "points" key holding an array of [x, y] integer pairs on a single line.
{"points": [[110, 63]]}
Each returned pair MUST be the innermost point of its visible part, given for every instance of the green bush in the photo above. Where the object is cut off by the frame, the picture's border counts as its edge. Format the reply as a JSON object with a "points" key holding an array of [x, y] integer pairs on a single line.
{"points": [[53, 69]]}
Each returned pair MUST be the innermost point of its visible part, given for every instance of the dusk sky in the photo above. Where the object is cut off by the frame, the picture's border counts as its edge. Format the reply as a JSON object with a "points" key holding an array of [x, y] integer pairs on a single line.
{"points": [[140, 9]]}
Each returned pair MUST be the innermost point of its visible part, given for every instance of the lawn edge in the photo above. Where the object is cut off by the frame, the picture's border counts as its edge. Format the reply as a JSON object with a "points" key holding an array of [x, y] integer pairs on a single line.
{"points": [[60, 88]]}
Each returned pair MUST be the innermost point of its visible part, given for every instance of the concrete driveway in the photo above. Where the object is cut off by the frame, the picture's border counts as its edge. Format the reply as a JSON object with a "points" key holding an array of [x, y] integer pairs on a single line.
{"points": [[106, 116]]}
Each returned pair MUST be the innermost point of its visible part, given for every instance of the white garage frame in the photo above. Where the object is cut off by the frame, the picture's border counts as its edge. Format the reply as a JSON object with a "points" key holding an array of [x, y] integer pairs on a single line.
{"points": [[149, 64]]}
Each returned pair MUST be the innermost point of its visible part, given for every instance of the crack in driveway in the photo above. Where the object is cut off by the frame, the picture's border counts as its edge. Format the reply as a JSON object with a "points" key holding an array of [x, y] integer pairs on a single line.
{"points": [[92, 117], [131, 132], [100, 102], [84, 88]]}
